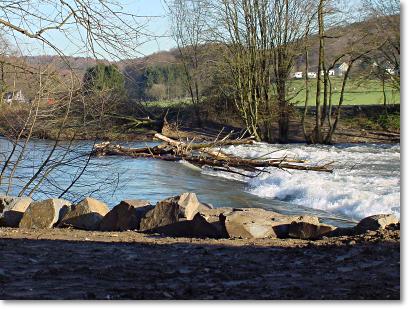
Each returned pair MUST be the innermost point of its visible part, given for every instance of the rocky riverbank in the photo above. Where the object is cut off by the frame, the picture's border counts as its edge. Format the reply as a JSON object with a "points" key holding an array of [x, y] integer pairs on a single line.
{"points": [[181, 248]]}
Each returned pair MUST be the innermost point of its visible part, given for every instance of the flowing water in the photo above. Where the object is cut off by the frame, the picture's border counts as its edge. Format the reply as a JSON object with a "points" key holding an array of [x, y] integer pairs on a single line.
{"points": [[365, 181]]}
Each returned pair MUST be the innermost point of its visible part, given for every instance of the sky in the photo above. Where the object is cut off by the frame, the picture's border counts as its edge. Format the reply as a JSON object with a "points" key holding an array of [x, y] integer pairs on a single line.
{"points": [[160, 25], [153, 17]]}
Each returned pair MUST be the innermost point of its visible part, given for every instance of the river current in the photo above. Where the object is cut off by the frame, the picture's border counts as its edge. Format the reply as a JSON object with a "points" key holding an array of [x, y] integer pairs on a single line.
{"points": [[365, 181]]}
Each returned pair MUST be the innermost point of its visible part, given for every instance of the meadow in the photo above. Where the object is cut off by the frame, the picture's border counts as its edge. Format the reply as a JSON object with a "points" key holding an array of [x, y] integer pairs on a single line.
{"points": [[358, 92]]}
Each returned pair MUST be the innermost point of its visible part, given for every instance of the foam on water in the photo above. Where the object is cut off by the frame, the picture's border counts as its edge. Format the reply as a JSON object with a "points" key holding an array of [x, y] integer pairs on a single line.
{"points": [[365, 181]]}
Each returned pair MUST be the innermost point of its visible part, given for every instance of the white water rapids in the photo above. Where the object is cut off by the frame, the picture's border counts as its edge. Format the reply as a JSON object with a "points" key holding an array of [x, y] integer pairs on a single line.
{"points": [[365, 181]]}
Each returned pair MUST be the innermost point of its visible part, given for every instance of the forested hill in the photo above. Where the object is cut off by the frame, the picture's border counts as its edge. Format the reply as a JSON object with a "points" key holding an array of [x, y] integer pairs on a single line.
{"points": [[81, 64], [161, 75]]}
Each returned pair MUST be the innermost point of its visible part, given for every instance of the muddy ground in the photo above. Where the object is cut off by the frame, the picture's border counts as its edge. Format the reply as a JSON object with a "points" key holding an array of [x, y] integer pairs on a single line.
{"points": [[73, 264]]}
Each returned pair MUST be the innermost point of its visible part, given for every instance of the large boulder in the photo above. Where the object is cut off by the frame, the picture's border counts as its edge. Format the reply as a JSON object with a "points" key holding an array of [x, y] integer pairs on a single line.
{"points": [[12, 210], [164, 213], [191, 205], [126, 215], [198, 227], [250, 223], [306, 230], [173, 210], [376, 222], [282, 223], [260, 223], [87, 214], [44, 214], [216, 217]]}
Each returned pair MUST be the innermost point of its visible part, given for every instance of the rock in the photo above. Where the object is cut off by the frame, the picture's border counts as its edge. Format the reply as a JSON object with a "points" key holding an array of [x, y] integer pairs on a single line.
{"points": [[87, 214], [217, 217], [250, 223], [201, 228], [165, 212], [198, 227], [44, 214], [260, 223], [12, 210], [342, 231], [282, 223], [305, 230], [393, 226], [376, 222], [126, 215], [189, 204]]}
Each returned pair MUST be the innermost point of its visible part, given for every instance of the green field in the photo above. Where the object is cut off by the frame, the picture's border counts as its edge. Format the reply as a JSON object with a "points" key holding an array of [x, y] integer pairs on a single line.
{"points": [[356, 93]]}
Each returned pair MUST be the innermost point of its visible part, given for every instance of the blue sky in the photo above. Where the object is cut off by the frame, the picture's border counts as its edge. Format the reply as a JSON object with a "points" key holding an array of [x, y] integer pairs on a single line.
{"points": [[157, 24], [154, 18]]}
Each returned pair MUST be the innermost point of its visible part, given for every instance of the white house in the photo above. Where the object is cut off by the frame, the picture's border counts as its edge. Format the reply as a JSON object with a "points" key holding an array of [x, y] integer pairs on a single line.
{"points": [[391, 71], [331, 72], [16, 96], [340, 69], [312, 75], [298, 75]]}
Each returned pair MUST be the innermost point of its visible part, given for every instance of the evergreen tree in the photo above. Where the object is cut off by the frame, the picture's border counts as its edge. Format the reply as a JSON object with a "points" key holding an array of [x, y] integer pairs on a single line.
{"points": [[104, 78]]}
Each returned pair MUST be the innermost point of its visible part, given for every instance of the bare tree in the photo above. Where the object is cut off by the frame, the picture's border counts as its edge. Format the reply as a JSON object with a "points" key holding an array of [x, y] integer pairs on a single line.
{"points": [[385, 16], [358, 43], [261, 40], [290, 23], [99, 28], [189, 28]]}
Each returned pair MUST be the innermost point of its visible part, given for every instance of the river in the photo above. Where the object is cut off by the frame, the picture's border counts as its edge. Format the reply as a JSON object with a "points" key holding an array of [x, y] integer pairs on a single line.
{"points": [[365, 181]]}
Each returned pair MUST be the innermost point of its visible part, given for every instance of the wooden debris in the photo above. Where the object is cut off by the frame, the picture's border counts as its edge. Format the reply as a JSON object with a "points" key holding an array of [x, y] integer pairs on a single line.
{"points": [[208, 154]]}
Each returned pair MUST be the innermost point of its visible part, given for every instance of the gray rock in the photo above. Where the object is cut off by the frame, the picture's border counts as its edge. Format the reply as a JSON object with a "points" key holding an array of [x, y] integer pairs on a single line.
{"points": [[217, 217], [281, 223], [87, 214], [12, 210], [44, 214], [305, 230], [165, 212], [198, 227], [260, 223], [126, 215], [376, 222], [189, 205], [250, 223]]}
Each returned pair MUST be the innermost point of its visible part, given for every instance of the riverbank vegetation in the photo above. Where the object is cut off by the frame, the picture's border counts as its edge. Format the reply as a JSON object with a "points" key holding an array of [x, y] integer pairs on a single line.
{"points": [[228, 69]]}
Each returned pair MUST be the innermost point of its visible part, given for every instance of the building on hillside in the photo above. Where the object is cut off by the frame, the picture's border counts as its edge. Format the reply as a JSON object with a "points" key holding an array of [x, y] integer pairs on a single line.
{"points": [[341, 68], [17, 97], [331, 72], [312, 75], [391, 71], [388, 68], [298, 75]]}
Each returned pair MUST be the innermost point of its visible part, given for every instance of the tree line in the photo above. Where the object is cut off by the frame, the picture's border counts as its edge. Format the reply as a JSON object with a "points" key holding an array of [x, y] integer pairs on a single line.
{"points": [[257, 43]]}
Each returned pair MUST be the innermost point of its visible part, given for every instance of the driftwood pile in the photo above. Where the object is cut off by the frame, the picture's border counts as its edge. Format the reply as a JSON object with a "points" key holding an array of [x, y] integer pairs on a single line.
{"points": [[208, 154]]}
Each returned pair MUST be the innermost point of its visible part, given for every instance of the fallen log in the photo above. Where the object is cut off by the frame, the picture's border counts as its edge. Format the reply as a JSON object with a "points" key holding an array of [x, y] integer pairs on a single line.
{"points": [[207, 154]]}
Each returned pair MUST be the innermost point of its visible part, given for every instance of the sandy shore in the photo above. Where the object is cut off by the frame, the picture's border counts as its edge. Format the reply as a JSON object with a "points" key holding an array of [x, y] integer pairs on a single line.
{"points": [[75, 264]]}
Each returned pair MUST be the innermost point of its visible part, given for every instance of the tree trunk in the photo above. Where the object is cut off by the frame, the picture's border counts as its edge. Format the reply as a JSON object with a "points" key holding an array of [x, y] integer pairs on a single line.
{"points": [[318, 138]]}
